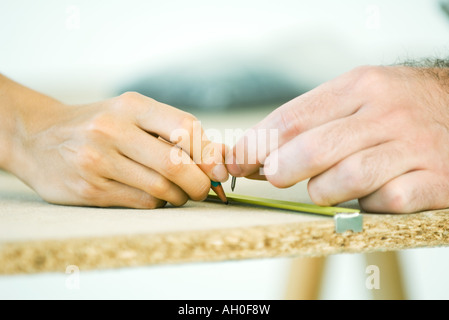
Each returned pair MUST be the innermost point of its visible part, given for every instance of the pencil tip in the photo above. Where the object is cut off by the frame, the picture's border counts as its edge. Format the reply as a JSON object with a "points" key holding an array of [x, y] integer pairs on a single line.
{"points": [[227, 202], [234, 179]]}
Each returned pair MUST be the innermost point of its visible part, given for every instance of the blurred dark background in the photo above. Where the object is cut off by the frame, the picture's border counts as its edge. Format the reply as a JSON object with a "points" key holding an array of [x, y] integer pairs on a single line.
{"points": [[207, 56]]}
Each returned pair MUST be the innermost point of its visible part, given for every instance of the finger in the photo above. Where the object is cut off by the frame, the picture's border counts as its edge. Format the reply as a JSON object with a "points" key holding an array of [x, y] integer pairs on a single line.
{"points": [[257, 176], [110, 193], [213, 163], [318, 149], [140, 177], [170, 161], [184, 130], [207, 155], [330, 101], [121, 195], [411, 192], [212, 155], [362, 173]]}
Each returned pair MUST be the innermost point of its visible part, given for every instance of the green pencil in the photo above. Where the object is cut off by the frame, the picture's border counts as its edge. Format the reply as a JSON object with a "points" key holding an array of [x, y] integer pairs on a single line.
{"points": [[285, 205]]}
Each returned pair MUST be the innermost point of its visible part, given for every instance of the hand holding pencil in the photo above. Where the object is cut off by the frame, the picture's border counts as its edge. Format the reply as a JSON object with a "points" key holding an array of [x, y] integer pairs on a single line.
{"points": [[210, 161], [107, 153]]}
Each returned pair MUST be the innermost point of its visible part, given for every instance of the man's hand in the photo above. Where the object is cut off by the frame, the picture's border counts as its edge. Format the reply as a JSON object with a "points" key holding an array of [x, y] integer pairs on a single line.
{"points": [[119, 152], [379, 134]]}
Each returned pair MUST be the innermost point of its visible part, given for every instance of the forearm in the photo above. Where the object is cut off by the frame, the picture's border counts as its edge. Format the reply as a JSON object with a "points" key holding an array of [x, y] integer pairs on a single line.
{"points": [[23, 111]]}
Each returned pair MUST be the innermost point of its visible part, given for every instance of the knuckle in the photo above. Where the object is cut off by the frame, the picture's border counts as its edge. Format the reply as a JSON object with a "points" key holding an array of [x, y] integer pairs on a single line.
{"points": [[313, 155], [373, 78], [190, 117], [368, 71], [180, 201], [128, 100], [184, 129], [129, 97], [352, 175], [159, 187], [90, 193], [395, 199], [88, 159], [150, 202], [100, 125], [291, 121], [172, 168], [187, 123]]}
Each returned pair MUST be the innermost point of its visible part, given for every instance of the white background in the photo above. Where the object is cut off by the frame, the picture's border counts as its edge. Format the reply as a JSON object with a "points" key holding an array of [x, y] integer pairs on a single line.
{"points": [[81, 51]]}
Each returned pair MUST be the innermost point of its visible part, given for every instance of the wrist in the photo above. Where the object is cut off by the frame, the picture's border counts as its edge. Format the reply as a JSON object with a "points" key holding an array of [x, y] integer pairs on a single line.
{"points": [[35, 130], [25, 113]]}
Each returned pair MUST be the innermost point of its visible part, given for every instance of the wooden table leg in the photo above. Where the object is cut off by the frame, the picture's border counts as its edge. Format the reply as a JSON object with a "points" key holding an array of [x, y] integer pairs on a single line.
{"points": [[305, 278], [306, 274], [391, 282]]}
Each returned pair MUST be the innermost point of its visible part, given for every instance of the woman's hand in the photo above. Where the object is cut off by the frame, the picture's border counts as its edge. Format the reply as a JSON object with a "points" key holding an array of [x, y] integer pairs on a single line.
{"points": [[129, 151]]}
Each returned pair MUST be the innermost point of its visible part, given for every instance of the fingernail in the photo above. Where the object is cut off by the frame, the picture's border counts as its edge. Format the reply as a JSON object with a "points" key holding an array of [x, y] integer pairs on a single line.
{"points": [[220, 173]]}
